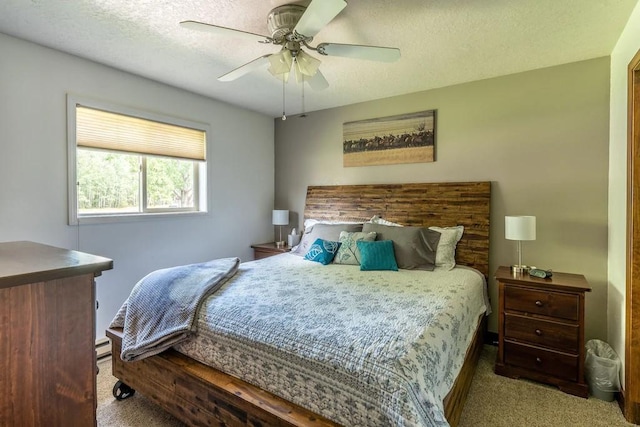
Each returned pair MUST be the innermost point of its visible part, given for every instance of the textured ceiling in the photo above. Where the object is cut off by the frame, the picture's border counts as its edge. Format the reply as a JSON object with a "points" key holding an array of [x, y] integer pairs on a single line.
{"points": [[443, 42]]}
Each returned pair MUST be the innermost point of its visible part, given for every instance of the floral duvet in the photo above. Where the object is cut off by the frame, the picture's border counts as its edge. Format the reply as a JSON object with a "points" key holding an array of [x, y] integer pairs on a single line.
{"points": [[362, 348]]}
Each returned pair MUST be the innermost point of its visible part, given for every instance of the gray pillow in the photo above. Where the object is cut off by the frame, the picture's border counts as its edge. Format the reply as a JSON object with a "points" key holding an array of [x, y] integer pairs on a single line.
{"points": [[325, 232], [414, 247]]}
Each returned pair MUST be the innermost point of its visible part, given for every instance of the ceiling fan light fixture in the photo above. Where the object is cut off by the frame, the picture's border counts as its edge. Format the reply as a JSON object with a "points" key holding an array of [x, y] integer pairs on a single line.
{"points": [[307, 64], [280, 62]]}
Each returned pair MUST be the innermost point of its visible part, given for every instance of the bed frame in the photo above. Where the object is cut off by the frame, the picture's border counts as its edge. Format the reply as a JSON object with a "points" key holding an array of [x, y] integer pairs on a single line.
{"points": [[202, 396]]}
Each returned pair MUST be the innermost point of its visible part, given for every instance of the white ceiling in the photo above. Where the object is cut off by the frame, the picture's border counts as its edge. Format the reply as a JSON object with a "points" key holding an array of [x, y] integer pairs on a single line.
{"points": [[443, 42]]}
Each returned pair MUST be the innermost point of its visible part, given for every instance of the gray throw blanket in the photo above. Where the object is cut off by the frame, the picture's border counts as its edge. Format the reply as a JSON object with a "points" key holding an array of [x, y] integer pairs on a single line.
{"points": [[162, 307]]}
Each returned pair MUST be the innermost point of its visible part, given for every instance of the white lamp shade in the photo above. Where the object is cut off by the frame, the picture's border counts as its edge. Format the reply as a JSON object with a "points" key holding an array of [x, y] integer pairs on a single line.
{"points": [[520, 227], [280, 217]]}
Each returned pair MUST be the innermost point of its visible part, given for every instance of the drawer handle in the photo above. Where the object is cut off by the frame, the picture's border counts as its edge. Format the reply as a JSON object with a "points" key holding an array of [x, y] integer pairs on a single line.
{"points": [[539, 303], [538, 360], [538, 332]]}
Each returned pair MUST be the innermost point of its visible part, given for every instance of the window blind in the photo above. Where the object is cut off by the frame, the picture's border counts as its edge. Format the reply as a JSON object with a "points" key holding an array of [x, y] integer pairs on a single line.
{"points": [[111, 131]]}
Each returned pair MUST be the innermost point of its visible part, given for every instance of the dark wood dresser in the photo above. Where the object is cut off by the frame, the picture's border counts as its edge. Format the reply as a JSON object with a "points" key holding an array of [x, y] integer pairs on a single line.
{"points": [[47, 335], [541, 329]]}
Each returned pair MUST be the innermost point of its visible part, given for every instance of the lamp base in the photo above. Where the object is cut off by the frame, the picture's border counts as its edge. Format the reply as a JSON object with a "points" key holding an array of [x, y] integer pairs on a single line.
{"points": [[281, 244], [521, 269]]}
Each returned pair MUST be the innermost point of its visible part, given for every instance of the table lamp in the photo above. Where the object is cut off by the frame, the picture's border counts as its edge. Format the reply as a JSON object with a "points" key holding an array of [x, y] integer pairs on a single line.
{"points": [[280, 217], [520, 228]]}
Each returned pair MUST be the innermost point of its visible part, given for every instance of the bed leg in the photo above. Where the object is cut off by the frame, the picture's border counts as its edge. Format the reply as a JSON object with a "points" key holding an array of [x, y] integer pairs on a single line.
{"points": [[122, 391]]}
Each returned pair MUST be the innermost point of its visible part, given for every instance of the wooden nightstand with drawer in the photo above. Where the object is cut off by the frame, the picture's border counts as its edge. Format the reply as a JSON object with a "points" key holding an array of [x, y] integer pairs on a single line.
{"points": [[541, 329], [265, 250]]}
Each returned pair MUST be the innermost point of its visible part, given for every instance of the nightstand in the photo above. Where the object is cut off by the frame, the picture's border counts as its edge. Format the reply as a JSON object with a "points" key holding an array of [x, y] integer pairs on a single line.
{"points": [[541, 329], [265, 250]]}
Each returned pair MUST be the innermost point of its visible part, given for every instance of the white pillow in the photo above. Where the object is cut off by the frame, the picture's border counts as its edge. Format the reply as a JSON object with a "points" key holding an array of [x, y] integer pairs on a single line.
{"points": [[311, 222], [446, 251], [377, 220]]}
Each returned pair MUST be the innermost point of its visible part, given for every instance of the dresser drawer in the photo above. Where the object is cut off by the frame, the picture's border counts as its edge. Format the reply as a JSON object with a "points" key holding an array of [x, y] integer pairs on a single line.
{"points": [[558, 365], [553, 304], [554, 335]]}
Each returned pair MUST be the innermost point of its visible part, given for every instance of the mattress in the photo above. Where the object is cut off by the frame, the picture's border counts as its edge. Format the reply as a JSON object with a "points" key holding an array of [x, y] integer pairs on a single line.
{"points": [[362, 348]]}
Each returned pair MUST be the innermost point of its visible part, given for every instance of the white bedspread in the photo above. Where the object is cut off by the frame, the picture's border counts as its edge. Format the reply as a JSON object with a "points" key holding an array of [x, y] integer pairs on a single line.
{"points": [[362, 348]]}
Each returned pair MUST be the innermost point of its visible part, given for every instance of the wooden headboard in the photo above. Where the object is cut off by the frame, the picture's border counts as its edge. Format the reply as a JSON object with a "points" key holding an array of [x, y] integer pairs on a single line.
{"points": [[431, 204]]}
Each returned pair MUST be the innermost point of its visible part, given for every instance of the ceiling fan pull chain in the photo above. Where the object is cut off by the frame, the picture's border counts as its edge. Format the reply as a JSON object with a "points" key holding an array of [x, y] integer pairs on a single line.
{"points": [[303, 115], [284, 117]]}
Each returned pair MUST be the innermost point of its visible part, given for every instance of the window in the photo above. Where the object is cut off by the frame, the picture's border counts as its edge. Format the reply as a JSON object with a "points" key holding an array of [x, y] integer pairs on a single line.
{"points": [[130, 164]]}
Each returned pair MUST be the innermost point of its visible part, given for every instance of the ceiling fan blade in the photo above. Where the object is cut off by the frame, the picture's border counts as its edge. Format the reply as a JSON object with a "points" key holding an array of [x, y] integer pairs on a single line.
{"points": [[317, 81], [245, 69], [224, 31], [373, 53], [318, 14]]}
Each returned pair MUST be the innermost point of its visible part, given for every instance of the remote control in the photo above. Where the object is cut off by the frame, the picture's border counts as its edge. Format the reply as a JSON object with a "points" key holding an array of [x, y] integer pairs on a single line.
{"points": [[543, 274]]}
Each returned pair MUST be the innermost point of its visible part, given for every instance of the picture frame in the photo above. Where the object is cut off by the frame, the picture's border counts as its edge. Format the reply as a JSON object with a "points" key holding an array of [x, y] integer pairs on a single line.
{"points": [[403, 138]]}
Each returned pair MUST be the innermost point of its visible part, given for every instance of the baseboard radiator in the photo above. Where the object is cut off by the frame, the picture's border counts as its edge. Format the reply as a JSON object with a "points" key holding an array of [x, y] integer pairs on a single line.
{"points": [[103, 348]]}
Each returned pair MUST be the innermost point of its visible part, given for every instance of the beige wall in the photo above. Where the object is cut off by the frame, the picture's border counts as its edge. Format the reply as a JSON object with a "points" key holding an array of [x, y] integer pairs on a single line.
{"points": [[541, 137], [627, 46]]}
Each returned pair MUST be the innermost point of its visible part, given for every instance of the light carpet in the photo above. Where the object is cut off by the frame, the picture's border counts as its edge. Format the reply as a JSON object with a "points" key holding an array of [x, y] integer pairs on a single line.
{"points": [[493, 401]]}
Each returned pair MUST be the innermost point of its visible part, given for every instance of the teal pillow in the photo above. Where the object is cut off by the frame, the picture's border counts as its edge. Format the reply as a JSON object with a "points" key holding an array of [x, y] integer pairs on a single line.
{"points": [[322, 251], [377, 255]]}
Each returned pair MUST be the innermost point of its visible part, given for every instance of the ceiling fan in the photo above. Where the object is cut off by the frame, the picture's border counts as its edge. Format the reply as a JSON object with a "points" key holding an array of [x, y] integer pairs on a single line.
{"points": [[293, 27]]}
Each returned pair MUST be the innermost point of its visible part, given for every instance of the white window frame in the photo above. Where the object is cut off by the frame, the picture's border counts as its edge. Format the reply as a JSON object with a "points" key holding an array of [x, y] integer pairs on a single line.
{"points": [[200, 199]]}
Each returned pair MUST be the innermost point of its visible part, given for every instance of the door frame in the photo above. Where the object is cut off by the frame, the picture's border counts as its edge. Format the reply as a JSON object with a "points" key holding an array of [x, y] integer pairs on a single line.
{"points": [[630, 401]]}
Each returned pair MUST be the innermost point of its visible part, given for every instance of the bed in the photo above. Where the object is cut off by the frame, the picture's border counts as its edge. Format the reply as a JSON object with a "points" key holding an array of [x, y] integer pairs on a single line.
{"points": [[201, 395]]}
